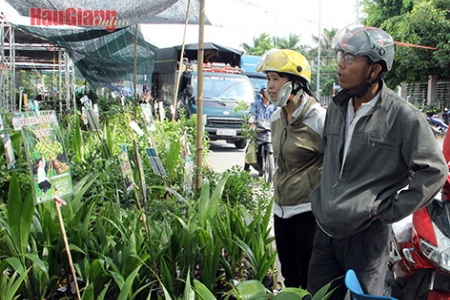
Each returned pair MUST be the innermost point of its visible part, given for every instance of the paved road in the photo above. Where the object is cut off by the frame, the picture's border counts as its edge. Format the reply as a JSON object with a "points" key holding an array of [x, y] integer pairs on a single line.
{"points": [[223, 156]]}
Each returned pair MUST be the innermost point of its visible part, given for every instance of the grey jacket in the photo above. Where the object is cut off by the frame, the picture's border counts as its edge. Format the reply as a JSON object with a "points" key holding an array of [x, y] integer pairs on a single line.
{"points": [[392, 147]]}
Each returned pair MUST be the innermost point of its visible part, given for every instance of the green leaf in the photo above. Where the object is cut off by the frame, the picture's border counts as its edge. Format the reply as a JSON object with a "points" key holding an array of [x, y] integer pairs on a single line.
{"points": [[211, 256], [322, 293], [291, 293], [202, 291], [128, 285], [188, 293], [97, 275], [20, 215], [208, 206], [13, 286], [37, 262], [250, 290], [172, 157], [77, 141]]}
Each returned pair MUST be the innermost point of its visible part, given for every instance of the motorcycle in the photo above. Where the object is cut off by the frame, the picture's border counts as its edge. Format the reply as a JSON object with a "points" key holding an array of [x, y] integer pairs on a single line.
{"points": [[265, 160], [420, 253], [438, 127]]}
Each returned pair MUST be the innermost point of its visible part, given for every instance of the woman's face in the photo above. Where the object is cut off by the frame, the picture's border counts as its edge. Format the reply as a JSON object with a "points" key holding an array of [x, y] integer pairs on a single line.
{"points": [[274, 83]]}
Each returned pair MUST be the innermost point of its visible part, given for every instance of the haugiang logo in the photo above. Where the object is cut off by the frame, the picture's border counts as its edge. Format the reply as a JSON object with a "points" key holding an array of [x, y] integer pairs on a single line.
{"points": [[74, 17]]}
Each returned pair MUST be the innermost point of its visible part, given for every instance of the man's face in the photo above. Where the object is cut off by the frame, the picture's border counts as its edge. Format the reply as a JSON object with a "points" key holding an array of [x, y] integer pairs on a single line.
{"points": [[352, 71]]}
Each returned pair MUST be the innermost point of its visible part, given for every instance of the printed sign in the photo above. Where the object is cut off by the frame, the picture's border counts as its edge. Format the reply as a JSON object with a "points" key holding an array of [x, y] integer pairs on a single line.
{"points": [[46, 155]]}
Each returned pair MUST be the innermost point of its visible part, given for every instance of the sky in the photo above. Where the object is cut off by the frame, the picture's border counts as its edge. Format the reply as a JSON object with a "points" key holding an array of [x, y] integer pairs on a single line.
{"points": [[240, 21]]}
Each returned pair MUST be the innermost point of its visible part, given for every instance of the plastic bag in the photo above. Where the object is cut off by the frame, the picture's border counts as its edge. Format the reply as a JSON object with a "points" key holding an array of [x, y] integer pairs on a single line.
{"points": [[250, 155]]}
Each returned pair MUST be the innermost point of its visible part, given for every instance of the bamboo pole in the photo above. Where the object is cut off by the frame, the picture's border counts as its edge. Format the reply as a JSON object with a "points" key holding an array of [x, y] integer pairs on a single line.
{"points": [[177, 84], [136, 33], [58, 203], [201, 50]]}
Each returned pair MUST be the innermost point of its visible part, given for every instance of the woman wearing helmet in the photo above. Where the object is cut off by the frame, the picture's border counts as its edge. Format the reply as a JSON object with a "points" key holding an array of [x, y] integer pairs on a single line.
{"points": [[373, 146], [296, 136]]}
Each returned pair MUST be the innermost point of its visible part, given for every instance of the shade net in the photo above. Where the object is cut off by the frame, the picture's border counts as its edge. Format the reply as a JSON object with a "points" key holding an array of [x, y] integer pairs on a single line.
{"points": [[103, 50], [127, 12], [103, 57]]}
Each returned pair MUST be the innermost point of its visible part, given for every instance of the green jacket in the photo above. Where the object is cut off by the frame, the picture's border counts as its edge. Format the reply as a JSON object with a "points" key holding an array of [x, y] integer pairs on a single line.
{"points": [[296, 147]]}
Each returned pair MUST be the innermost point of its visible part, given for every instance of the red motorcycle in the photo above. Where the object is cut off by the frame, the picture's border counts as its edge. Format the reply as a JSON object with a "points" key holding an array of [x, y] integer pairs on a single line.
{"points": [[421, 250]]}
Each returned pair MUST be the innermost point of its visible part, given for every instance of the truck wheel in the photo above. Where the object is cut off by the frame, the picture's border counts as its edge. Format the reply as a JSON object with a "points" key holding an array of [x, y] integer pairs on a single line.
{"points": [[241, 144]]}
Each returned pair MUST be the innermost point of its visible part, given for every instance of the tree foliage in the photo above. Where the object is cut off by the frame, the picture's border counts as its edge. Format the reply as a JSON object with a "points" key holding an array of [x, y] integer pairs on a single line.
{"points": [[260, 45], [413, 25]]}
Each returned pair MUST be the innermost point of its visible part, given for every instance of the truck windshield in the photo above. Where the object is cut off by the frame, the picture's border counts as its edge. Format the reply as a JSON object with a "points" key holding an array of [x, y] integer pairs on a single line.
{"points": [[258, 83], [225, 88]]}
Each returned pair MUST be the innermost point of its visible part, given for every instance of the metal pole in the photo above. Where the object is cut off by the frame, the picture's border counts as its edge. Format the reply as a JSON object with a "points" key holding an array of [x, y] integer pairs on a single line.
{"points": [[201, 50], [67, 80], [12, 53], [72, 86], [3, 73], [357, 11], [318, 54], [60, 74]]}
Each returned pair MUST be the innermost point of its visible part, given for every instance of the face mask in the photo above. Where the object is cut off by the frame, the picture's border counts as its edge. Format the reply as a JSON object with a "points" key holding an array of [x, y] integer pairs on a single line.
{"points": [[284, 93]]}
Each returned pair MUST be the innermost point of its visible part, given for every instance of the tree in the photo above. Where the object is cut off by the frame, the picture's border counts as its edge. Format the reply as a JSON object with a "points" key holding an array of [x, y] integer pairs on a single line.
{"points": [[414, 25], [264, 42], [328, 62], [260, 45], [380, 10], [292, 42]]}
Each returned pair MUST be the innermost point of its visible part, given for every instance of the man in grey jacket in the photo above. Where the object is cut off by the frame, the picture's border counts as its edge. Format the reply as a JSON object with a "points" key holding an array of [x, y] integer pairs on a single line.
{"points": [[381, 163]]}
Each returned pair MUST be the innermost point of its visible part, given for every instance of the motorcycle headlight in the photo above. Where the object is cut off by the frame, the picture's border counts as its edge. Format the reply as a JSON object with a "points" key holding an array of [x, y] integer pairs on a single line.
{"points": [[440, 255]]}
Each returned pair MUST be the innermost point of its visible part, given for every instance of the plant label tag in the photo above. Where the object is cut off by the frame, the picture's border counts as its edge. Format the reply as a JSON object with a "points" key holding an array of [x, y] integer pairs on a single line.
{"points": [[155, 162], [125, 167]]}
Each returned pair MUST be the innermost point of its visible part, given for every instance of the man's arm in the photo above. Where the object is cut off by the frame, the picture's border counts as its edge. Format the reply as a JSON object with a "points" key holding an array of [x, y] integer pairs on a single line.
{"points": [[424, 157]]}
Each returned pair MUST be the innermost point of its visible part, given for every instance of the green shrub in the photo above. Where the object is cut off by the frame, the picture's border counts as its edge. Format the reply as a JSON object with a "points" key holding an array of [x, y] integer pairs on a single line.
{"points": [[124, 248]]}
